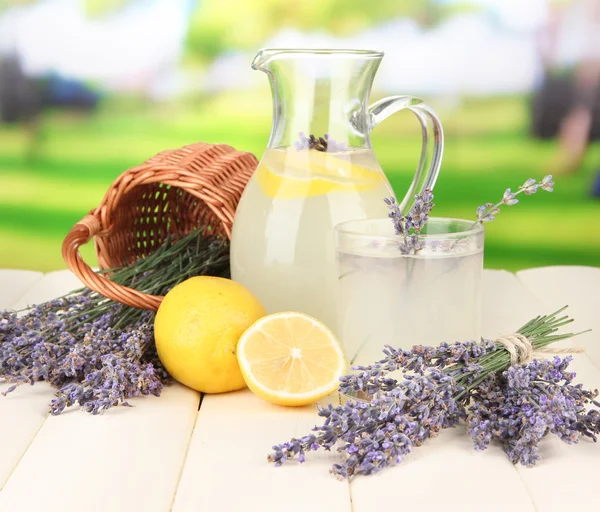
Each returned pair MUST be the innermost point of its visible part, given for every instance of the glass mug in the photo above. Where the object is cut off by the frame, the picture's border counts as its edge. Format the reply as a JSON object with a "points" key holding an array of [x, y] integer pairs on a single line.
{"points": [[388, 298]]}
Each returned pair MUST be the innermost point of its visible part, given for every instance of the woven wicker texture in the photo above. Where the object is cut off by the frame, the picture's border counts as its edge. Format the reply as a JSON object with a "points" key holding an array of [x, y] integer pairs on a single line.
{"points": [[171, 193]]}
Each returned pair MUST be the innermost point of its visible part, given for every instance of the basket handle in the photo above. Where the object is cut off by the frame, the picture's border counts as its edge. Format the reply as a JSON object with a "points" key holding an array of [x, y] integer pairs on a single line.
{"points": [[81, 234]]}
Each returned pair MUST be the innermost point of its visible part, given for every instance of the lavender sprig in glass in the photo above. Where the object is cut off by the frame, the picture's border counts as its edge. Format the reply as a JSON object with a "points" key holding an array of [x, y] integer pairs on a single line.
{"points": [[488, 211], [409, 227]]}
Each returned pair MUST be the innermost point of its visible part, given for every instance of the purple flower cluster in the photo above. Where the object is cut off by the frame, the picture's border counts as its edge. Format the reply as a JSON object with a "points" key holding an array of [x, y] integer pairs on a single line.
{"points": [[409, 227], [99, 353], [515, 405], [324, 143], [488, 211], [460, 360], [92, 364], [526, 403], [372, 435]]}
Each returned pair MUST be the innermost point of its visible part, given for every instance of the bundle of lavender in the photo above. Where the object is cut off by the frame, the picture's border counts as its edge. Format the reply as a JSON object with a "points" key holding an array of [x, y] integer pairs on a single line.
{"points": [[96, 352], [487, 384], [497, 388]]}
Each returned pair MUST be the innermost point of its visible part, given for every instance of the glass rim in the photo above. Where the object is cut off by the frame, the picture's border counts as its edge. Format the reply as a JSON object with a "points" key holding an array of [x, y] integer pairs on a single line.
{"points": [[322, 51], [345, 229]]}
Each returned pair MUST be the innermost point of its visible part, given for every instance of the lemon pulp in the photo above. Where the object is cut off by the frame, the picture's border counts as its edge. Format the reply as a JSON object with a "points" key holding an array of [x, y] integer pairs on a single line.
{"points": [[290, 359]]}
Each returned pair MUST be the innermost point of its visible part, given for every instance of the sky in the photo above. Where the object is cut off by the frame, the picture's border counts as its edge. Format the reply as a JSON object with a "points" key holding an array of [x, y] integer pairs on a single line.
{"points": [[140, 48], [516, 14]]}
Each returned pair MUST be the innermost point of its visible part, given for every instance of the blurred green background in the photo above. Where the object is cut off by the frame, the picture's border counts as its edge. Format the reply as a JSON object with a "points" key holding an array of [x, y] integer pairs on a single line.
{"points": [[58, 159]]}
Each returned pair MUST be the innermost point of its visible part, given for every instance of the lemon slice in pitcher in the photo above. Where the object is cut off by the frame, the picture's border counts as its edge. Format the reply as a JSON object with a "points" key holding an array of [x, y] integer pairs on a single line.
{"points": [[290, 359], [290, 174]]}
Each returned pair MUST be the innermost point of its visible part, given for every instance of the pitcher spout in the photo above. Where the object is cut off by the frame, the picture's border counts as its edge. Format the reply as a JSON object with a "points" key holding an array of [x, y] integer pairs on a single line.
{"points": [[262, 58], [319, 91], [266, 55]]}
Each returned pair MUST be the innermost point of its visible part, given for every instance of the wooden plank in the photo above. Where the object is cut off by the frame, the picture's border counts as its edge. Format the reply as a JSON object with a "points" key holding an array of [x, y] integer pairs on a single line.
{"points": [[226, 467], [123, 461], [138, 460], [579, 287], [28, 404], [13, 284], [127, 459], [23, 413], [233, 435], [566, 476], [50, 286], [507, 305], [446, 473]]}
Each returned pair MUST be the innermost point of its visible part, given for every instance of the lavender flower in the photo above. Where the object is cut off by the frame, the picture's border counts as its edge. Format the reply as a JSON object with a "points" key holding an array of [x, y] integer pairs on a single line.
{"points": [[92, 364], [488, 211], [302, 142], [410, 227], [396, 216], [529, 187], [96, 352], [514, 405], [324, 143], [509, 198], [547, 184], [371, 436], [526, 403]]}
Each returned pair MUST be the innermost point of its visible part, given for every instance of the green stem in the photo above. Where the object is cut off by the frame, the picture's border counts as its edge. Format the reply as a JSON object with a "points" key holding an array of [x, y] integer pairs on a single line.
{"points": [[497, 205], [540, 331], [171, 263]]}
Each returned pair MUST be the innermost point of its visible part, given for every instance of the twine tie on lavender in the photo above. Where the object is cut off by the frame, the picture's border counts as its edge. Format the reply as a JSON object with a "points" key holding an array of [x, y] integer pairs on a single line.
{"points": [[522, 351]]}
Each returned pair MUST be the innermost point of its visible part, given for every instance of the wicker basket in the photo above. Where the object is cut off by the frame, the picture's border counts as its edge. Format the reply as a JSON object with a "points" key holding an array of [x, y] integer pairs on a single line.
{"points": [[171, 193]]}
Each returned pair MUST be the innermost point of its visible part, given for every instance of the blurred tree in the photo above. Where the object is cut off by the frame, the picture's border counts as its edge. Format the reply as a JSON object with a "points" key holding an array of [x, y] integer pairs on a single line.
{"points": [[91, 7], [99, 8], [220, 25], [5, 4]]}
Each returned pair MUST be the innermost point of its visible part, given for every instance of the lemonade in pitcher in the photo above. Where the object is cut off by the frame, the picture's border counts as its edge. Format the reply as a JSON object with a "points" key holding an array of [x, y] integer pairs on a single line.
{"points": [[283, 246], [318, 170]]}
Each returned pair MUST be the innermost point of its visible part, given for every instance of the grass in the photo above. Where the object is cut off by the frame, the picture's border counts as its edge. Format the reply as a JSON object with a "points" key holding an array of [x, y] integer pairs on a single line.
{"points": [[487, 150]]}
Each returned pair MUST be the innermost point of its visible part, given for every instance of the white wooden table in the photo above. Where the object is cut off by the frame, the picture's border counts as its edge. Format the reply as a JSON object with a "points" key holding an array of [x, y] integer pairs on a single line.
{"points": [[187, 454]]}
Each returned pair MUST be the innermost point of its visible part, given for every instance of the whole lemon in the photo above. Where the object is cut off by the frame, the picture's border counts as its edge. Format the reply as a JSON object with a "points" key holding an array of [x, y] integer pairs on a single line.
{"points": [[197, 328]]}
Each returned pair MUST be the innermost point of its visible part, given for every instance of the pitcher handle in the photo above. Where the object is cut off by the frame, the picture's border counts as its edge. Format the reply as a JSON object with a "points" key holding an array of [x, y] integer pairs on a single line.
{"points": [[431, 154]]}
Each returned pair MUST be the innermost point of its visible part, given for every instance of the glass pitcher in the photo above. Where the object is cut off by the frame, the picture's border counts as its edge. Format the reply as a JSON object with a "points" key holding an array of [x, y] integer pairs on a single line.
{"points": [[318, 170]]}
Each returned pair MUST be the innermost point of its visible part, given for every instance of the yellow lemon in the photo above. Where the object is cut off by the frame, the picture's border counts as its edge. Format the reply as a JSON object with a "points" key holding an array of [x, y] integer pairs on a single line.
{"points": [[197, 328], [312, 173], [290, 359]]}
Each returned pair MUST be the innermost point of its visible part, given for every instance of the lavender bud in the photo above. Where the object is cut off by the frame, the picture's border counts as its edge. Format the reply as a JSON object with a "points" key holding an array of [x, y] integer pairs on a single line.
{"points": [[427, 196], [529, 187], [509, 198], [547, 183]]}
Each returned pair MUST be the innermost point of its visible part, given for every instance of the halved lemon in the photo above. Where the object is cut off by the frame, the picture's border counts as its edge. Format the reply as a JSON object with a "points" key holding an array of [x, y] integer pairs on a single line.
{"points": [[290, 359]]}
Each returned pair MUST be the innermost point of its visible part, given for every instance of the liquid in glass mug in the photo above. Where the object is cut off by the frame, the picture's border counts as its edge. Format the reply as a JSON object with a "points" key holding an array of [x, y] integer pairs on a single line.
{"points": [[388, 298]]}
